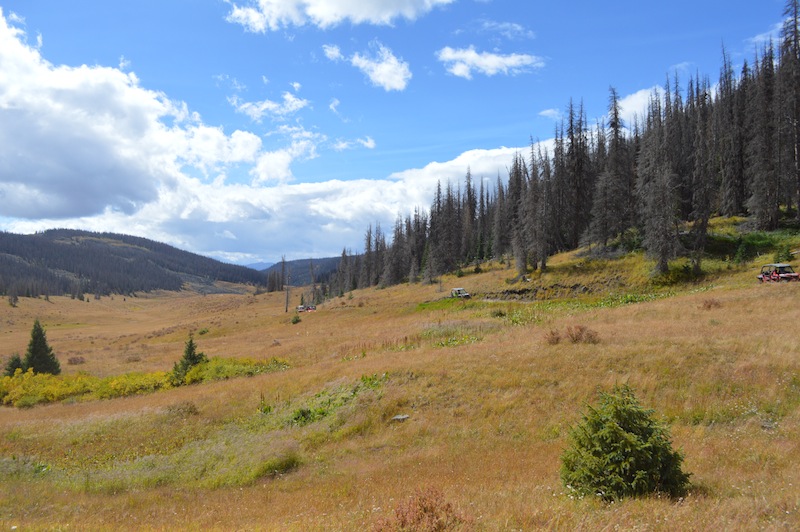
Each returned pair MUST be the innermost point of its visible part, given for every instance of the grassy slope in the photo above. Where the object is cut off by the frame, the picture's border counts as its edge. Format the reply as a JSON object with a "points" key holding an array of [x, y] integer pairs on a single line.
{"points": [[489, 400]]}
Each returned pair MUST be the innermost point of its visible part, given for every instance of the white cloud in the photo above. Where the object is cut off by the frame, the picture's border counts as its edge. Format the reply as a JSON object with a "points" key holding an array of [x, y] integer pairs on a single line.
{"points": [[383, 69], [635, 105], [509, 30], [553, 114], [275, 166], [277, 110], [233, 83], [88, 147], [462, 62], [260, 16], [773, 34], [366, 142], [209, 147], [86, 141], [296, 86], [332, 52]]}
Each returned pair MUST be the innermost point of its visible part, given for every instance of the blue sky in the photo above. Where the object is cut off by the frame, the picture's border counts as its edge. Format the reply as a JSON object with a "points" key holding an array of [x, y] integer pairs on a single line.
{"points": [[247, 130]]}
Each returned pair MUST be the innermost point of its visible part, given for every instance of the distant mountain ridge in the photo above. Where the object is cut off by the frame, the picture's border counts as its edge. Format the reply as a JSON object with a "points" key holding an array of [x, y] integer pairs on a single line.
{"points": [[298, 271], [260, 266], [67, 261]]}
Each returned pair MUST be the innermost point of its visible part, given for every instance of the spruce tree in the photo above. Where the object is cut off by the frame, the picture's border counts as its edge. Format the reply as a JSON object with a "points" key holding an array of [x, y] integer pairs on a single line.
{"points": [[790, 87], [658, 190], [620, 450], [40, 356], [14, 363]]}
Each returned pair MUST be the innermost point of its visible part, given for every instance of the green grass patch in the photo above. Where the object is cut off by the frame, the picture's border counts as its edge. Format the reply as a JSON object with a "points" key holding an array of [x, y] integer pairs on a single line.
{"points": [[328, 401], [452, 334], [448, 303]]}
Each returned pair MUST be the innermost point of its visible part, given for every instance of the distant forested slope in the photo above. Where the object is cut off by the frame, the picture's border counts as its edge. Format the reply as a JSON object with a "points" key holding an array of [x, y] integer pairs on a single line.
{"points": [[299, 272], [65, 261]]}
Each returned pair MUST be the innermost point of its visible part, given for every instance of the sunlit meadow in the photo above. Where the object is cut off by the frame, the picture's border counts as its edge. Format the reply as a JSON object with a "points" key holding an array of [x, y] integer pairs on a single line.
{"points": [[397, 393]]}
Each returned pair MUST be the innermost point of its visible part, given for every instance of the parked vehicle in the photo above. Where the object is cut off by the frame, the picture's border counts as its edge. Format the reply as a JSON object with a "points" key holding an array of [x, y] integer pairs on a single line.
{"points": [[459, 292], [780, 272]]}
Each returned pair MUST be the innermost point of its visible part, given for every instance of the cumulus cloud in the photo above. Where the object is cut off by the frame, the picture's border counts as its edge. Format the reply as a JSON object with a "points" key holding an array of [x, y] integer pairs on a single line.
{"points": [[66, 129], [260, 16], [635, 105], [383, 69], [86, 141], [275, 166], [462, 62], [88, 147]]}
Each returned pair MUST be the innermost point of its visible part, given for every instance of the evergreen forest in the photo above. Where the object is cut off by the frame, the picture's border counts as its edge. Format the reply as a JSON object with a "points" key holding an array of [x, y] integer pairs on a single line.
{"points": [[727, 147]]}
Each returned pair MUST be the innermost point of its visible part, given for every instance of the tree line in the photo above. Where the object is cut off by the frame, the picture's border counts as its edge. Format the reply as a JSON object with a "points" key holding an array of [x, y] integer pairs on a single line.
{"points": [[700, 150]]}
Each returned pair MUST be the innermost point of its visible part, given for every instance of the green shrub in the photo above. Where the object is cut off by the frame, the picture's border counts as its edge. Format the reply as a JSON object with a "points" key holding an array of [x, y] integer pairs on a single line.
{"points": [[783, 254], [619, 450], [278, 465]]}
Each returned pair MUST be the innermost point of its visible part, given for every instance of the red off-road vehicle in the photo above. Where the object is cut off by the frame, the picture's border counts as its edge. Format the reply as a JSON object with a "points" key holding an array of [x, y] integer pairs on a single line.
{"points": [[773, 273]]}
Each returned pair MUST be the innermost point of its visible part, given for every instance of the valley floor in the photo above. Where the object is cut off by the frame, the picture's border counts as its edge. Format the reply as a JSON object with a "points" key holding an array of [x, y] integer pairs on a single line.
{"points": [[489, 394]]}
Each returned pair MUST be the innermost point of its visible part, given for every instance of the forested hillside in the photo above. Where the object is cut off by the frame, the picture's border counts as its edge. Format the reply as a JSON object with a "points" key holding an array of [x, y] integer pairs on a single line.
{"points": [[70, 262], [300, 272], [701, 149]]}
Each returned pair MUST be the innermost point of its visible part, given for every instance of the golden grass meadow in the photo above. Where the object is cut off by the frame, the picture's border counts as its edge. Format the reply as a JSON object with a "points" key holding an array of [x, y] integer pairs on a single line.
{"points": [[490, 386]]}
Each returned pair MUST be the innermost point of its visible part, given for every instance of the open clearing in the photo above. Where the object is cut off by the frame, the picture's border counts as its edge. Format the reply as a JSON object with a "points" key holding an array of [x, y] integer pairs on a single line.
{"points": [[488, 393]]}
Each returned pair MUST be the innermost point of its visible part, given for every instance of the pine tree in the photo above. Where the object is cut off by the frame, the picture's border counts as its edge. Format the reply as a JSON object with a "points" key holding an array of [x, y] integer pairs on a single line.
{"points": [[40, 356]]}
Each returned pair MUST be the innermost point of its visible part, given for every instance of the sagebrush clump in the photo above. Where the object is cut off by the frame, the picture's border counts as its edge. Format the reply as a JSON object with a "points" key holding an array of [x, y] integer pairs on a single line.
{"points": [[426, 511], [618, 450]]}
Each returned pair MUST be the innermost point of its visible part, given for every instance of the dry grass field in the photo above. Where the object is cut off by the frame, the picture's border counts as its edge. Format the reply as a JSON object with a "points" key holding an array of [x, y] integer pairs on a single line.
{"points": [[488, 390]]}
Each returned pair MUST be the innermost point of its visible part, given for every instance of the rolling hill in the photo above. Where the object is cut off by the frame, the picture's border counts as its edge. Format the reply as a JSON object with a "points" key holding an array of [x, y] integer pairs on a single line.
{"points": [[64, 261]]}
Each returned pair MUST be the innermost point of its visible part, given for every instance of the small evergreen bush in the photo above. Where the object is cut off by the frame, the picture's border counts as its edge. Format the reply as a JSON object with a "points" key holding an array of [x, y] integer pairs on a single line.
{"points": [[618, 450], [191, 358], [14, 363]]}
